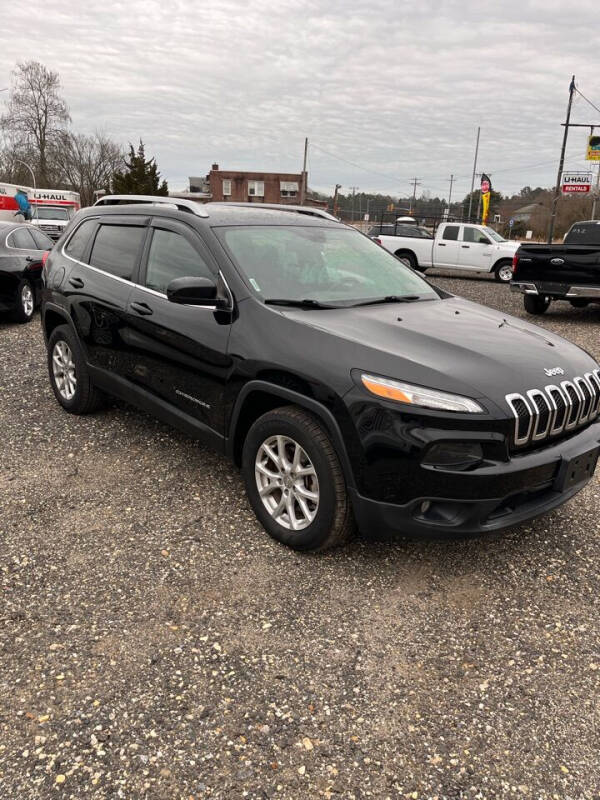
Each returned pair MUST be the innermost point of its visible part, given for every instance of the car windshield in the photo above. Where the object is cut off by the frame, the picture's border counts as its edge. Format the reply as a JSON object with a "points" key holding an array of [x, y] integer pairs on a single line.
{"points": [[495, 236], [51, 213], [332, 265]]}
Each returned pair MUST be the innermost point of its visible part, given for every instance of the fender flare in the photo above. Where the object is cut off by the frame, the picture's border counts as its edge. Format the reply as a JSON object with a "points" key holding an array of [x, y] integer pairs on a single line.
{"points": [[59, 311], [296, 398]]}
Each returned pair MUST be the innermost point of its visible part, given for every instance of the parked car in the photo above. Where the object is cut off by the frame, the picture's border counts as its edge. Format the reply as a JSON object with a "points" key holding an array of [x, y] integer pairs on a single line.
{"points": [[456, 245], [22, 249], [397, 229], [344, 385], [569, 271]]}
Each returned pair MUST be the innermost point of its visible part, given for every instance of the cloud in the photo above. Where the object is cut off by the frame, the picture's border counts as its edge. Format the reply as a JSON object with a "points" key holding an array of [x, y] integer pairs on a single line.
{"points": [[396, 87]]}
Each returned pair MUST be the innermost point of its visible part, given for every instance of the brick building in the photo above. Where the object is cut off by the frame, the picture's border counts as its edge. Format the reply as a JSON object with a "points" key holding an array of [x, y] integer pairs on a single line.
{"points": [[244, 187]]}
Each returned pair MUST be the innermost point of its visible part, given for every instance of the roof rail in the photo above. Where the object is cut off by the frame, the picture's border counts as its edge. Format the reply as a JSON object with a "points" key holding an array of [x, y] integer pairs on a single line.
{"points": [[126, 199], [311, 211]]}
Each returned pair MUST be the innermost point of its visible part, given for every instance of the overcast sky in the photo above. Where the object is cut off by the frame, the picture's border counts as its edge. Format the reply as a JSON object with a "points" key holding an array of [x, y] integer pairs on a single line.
{"points": [[397, 87]]}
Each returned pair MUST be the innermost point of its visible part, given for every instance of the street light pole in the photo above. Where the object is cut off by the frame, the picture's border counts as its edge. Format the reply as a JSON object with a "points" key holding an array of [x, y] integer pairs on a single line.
{"points": [[18, 161]]}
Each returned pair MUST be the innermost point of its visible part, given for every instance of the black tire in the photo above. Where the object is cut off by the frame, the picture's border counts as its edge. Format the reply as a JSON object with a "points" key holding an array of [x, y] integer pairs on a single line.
{"points": [[407, 258], [86, 398], [535, 304], [334, 520], [23, 310], [503, 271], [579, 303]]}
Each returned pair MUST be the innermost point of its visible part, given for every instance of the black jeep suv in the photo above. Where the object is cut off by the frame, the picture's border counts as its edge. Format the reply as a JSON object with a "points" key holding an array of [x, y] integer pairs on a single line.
{"points": [[345, 385]]}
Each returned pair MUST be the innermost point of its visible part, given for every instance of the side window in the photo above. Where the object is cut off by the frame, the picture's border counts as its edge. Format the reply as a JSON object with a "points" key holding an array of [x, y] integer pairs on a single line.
{"points": [[77, 244], [475, 236], [21, 238], [450, 232], [42, 241], [172, 256], [116, 249]]}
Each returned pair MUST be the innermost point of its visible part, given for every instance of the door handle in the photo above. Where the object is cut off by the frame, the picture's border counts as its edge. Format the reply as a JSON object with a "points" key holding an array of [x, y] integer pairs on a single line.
{"points": [[141, 308], [29, 259], [465, 246], [77, 283], [441, 244]]}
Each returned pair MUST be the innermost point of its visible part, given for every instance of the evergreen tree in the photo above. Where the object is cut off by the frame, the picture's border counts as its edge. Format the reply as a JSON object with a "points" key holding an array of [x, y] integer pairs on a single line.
{"points": [[140, 176]]}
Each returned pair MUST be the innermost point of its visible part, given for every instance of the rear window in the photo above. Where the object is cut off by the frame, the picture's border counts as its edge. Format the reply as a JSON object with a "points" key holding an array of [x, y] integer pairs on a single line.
{"points": [[116, 249], [584, 233], [77, 244], [42, 241], [450, 232]]}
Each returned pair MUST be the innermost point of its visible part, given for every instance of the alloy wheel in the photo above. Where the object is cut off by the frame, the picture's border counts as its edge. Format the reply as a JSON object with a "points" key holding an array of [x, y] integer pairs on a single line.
{"points": [[63, 370], [287, 482], [27, 301], [505, 273]]}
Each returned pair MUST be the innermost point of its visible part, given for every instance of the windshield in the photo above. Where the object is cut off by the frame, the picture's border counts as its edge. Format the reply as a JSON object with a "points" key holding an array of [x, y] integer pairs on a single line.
{"points": [[50, 213], [329, 265], [495, 236]]}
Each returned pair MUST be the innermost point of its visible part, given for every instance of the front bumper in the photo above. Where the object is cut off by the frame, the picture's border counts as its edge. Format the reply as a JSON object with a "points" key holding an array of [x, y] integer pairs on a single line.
{"points": [[528, 487], [557, 291]]}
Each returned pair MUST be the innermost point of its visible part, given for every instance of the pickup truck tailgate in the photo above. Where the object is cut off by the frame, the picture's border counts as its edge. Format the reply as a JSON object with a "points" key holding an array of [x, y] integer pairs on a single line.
{"points": [[560, 264]]}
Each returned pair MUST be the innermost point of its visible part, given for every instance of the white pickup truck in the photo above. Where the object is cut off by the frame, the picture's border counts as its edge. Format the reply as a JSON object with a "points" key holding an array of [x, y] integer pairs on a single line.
{"points": [[456, 245]]}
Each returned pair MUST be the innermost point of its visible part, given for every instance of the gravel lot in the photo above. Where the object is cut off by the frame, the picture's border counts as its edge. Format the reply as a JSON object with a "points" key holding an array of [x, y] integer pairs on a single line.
{"points": [[155, 643]]}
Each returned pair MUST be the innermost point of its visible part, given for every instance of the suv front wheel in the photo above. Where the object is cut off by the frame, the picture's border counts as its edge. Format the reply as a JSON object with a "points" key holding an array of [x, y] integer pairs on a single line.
{"points": [[294, 480], [69, 375]]}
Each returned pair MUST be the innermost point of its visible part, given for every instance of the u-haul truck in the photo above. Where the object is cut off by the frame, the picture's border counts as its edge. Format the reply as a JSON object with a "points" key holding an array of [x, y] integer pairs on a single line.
{"points": [[51, 209]]}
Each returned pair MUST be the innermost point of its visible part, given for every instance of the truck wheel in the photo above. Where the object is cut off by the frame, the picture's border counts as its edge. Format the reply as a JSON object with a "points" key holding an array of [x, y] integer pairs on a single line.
{"points": [[535, 303], [408, 259], [503, 272], [294, 480]]}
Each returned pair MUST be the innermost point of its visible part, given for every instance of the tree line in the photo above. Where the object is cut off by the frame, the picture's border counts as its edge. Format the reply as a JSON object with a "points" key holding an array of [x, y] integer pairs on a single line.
{"points": [[36, 136]]}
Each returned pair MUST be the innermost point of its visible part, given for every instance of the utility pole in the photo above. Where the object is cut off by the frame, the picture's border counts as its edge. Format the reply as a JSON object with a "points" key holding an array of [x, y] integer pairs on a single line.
{"points": [[561, 162], [354, 190], [473, 176], [304, 176], [338, 186], [596, 193], [450, 195], [415, 182]]}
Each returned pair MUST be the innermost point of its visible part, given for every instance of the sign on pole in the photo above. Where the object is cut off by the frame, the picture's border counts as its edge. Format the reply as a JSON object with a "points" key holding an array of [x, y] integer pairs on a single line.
{"points": [[593, 148], [511, 222], [366, 218], [576, 182]]}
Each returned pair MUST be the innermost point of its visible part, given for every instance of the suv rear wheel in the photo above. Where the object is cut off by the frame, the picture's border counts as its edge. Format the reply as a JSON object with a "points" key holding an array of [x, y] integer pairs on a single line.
{"points": [[69, 376], [294, 480], [535, 303]]}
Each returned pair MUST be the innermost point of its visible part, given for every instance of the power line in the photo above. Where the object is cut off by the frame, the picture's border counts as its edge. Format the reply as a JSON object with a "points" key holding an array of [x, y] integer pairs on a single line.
{"points": [[586, 100]]}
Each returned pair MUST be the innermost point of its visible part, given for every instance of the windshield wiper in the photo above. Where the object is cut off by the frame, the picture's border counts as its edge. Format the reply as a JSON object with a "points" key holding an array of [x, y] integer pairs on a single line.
{"points": [[282, 301], [391, 298]]}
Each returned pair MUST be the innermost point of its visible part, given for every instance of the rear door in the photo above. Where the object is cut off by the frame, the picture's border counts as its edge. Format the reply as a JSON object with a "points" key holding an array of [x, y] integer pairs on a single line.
{"points": [[446, 246], [476, 249], [99, 284], [179, 352], [20, 257]]}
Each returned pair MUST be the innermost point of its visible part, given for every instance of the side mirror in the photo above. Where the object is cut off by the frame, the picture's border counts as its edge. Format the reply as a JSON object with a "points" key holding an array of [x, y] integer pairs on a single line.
{"points": [[192, 291]]}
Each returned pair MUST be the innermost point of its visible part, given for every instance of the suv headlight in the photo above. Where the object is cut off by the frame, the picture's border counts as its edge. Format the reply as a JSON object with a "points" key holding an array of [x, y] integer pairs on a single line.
{"points": [[418, 395]]}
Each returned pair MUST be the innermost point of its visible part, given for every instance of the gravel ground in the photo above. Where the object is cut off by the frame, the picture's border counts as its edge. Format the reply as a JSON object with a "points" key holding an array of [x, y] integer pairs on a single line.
{"points": [[155, 643]]}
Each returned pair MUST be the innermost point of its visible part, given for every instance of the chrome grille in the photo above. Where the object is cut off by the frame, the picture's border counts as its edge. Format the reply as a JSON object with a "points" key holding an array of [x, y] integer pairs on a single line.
{"points": [[542, 413]]}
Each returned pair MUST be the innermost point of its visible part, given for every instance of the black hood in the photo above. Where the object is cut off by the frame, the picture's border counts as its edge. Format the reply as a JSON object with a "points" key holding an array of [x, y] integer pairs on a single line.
{"points": [[450, 344]]}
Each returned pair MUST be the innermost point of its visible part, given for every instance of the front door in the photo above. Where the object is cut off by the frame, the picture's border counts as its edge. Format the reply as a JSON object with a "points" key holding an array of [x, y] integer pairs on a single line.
{"points": [[445, 248], [178, 352], [476, 249]]}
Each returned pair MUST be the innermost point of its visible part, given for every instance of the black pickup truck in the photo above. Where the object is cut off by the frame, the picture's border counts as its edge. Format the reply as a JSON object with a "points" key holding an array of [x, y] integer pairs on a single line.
{"points": [[568, 271]]}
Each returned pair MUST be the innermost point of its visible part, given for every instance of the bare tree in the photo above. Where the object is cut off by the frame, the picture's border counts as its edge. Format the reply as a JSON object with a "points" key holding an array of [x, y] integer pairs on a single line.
{"points": [[87, 163], [36, 115]]}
